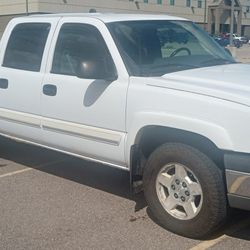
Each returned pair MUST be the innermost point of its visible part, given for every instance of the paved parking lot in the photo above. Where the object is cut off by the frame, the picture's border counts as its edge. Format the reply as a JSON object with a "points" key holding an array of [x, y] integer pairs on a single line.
{"points": [[242, 54], [52, 201]]}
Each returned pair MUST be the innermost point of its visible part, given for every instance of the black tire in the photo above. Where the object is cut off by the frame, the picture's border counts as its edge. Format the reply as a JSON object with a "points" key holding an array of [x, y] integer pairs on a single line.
{"points": [[213, 209]]}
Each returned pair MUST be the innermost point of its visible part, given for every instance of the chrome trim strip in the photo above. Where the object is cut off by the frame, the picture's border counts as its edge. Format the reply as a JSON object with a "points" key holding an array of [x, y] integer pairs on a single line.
{"points": [[74, 129], [238, 183], [59, 126], [20, 117], [17, 139]]}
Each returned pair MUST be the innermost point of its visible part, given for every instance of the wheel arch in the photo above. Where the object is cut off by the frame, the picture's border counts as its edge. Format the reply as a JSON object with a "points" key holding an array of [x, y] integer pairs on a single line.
{"points": [[151, 137]]}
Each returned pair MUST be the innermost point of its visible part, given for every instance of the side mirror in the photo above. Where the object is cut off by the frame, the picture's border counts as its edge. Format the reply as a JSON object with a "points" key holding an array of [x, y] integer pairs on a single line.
{"points": [[96, 69]]}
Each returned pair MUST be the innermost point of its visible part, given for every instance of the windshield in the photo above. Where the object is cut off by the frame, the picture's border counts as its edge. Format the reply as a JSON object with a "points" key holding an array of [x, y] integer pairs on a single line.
{"points": [[158, 47]]}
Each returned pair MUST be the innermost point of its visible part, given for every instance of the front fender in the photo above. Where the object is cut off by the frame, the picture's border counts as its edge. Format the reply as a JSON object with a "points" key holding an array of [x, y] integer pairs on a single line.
{"points": [[216, 134]]}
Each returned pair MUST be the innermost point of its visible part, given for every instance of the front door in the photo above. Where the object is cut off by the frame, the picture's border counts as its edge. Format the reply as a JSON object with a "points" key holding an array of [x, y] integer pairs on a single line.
{"points": [[83, 114]]}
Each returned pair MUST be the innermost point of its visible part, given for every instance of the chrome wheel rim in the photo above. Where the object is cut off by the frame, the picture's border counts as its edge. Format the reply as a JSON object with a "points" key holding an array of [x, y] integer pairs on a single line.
{"points": [[179, 191]]}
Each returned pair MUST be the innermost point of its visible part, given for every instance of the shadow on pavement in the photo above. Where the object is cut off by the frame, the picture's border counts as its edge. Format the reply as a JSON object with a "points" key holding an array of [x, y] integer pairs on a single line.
{"points": [[242, 220], [105, 178], [98, 176], [236, 226]]}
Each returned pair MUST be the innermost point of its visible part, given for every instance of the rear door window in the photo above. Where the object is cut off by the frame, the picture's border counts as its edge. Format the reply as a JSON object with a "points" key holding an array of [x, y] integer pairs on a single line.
{"points": [[26, 45]]}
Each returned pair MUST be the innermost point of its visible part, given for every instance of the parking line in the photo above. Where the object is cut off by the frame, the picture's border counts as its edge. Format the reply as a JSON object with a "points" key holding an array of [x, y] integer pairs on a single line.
{"points": [[16, 172], [210, 243], [28, 169]]}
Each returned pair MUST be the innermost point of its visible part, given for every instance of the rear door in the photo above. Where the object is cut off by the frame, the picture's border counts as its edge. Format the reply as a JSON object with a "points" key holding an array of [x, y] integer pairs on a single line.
{"points": [[23, 55]]}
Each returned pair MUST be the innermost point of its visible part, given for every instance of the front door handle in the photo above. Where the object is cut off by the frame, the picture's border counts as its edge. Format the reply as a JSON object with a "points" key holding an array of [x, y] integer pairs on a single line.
{"points": [[4, 83], [49, 89]]}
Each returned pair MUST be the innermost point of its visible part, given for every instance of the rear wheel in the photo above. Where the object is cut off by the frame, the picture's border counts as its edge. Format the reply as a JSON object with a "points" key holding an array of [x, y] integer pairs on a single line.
{"points": [[185, 190]]}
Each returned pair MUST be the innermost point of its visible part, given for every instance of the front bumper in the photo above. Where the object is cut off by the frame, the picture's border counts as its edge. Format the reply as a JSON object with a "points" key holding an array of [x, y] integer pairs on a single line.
{"points": [[237, 167]]}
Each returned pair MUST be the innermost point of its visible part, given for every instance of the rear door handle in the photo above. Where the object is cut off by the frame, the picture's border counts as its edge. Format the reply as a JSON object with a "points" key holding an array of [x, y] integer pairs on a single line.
{"points": [[4, 83], [49, 89]]}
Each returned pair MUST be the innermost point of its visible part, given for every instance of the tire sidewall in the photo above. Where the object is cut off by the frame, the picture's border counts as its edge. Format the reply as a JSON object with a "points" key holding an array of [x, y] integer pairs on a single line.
{"points": [[208, 176]]}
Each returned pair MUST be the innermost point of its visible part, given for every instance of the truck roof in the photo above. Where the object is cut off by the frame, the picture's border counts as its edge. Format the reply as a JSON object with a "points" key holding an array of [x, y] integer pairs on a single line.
{"points": [[109, 17]]}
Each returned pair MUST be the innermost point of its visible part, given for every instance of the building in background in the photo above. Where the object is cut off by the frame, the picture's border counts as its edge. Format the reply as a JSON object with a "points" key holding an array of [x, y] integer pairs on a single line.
{"points": [[219, 16], [213, 15]]}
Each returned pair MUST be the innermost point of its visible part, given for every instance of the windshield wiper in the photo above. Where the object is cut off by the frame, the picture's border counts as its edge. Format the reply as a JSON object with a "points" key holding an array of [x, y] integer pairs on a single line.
{"points": [[217, 61], [156, 70], [171, 65]]}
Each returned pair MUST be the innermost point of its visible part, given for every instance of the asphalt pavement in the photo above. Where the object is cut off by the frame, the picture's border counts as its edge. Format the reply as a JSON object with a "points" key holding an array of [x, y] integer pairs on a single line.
{"points": [[241, 54], [50, 200]]}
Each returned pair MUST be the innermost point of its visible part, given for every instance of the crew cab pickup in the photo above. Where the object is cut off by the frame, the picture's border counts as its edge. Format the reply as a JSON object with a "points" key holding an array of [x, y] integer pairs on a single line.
{"points": [[150, 94]]}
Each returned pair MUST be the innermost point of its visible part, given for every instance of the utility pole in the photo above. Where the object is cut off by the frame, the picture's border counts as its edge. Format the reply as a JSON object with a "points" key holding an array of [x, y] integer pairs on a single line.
{"points": [[232, 23], [27, 8], [205, 13]]}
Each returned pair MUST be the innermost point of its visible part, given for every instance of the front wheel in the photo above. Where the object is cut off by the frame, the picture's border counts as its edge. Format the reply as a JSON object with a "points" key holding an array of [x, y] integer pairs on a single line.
{"points": [[185, 190]]}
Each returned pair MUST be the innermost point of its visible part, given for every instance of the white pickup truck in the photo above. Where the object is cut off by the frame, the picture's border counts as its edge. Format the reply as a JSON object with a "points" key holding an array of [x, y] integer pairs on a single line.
{"points": [[153, 95]]}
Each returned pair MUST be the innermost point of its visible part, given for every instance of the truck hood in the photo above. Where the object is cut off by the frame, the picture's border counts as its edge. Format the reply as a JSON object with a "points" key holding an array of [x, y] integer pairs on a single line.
{"points": [[227, 82]]}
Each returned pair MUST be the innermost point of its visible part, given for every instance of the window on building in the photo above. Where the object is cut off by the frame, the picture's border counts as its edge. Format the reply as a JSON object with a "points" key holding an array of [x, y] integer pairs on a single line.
{"points": [[199, 4], [159, 1], [172, 2], [26, 45], [188, 3], [145, 1], [81, 45]]}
